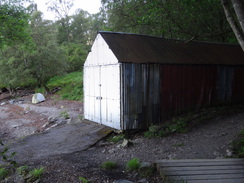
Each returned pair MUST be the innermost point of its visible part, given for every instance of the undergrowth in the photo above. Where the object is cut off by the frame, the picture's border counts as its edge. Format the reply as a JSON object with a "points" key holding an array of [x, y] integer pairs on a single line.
{"points": [[70, 85], [183, 123], [109, 165], [238, 145], [11, 167]]}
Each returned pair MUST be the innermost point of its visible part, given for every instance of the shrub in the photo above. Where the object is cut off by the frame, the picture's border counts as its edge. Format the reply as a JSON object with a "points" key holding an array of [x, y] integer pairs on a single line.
{"points": [[149, 134], [238, 145], [3, 173], [36, 173], [133, 165]]}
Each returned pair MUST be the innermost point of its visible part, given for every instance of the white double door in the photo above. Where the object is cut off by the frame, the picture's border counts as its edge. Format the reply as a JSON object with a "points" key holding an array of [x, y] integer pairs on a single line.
{"points": [[102, 94]]}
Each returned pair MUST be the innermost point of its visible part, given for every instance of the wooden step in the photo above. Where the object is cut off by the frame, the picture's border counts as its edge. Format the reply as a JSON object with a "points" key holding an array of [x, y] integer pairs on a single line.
{"points": [[202, 170]]}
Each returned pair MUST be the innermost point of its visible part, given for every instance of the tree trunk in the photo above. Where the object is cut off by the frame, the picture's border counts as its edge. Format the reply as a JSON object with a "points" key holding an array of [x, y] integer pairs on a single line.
{"points": [[44, 85], [239, 10], [234, 25], [12, 91]]}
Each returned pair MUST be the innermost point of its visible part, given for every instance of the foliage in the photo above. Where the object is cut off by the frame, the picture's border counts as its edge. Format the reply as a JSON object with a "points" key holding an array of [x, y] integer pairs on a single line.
{"points": [[149, 134], [146, 171], [109, 165], [83, 180], [46, 59], [3, 173], [179, 125], [70, 84], [238, 145], [176, 125], [23, 170], [6, 156], [65, 114], [133, 165], [76, 56], [201, 20], [116, 138], [13, 69], [13, 22], [36, 173]]}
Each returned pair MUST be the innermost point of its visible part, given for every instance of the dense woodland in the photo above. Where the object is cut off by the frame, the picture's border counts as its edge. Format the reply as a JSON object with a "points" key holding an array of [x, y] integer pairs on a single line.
{"points": [[33, 49]]}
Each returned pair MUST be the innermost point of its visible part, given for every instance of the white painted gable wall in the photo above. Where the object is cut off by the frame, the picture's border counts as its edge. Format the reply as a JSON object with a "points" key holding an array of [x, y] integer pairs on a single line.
{"points": [[102, 85], [100, 54]]}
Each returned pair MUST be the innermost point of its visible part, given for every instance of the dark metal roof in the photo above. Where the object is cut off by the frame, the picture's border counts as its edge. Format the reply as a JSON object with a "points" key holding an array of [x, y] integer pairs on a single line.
{"points": [[134, 48]]}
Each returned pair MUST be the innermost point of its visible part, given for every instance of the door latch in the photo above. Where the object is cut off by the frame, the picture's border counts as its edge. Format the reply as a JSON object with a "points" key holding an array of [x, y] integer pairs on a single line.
{"points": [[99, 98]]}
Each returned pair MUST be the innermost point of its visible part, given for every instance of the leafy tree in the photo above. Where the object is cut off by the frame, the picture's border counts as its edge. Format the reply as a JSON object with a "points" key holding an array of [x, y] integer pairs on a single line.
{"points": [[13, 22], [76, 56], [61, 9], [184, 19], [13, 67], [46, 58], [80, 27]]}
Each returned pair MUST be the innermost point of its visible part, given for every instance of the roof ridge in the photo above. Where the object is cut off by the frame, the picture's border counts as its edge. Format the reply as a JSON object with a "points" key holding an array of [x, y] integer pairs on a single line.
{"points": [[171, 39]]}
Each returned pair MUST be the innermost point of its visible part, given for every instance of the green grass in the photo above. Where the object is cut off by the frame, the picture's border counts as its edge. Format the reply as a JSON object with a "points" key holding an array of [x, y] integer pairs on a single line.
{"points": [[3, 173], [238, 145], [133, 165], [109, 165], [36, 173], [71, 86], [83, 180], [23, 170], [117, 138]]}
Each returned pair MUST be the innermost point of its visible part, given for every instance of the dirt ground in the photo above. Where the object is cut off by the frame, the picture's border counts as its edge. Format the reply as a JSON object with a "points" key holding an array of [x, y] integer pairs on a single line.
{"points": [[209, 139]]}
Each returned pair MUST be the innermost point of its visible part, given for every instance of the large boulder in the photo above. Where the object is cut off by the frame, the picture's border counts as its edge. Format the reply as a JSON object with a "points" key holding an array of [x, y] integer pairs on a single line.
{"points": [[37, 98]]}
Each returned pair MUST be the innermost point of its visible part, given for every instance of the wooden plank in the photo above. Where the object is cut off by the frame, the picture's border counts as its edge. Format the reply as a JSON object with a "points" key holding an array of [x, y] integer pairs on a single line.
{"points": [[203, 172], [187, 164], [206, 177], [213, 181], [202, 160], [236, 167]]}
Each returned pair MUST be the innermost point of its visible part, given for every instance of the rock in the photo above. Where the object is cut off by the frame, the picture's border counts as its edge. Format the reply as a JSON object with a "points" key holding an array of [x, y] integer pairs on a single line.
{"points": [[3, 103], [228, 152], [61, 121], [15, 126], [126, 143], [52, 119], [111, 151], [19, 179], [223, 134], [68, 120], [11, 101], [154, 128], [122, 181], [146, 165], [143, 181]]}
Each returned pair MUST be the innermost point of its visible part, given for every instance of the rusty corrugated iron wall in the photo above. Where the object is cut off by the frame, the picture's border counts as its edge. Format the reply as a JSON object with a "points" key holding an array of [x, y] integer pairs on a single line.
{"points": [[140, 104], [153, 92]]}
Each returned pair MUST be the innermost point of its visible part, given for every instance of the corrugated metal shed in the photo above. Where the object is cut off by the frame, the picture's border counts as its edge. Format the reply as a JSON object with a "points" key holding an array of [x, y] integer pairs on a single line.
{"points": [[141, 80], [133, 48]]}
